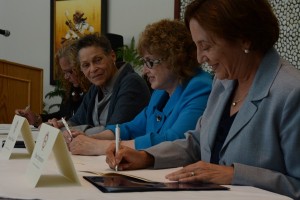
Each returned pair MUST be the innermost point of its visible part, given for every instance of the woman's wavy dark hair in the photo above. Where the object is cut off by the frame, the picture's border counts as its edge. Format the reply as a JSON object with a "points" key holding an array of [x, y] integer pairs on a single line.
{"points": [[69, 51]]}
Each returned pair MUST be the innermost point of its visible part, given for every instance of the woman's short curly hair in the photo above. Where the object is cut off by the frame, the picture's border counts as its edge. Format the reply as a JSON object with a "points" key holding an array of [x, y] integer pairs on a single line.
{"points": [[69, 51], [170, 40]]}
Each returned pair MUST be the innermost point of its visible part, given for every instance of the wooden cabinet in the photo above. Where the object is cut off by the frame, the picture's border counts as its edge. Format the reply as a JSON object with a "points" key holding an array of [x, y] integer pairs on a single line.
{"points": [[20, 85]]}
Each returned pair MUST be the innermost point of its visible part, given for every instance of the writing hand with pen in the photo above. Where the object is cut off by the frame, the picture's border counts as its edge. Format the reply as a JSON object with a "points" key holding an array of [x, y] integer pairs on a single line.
{"points": [[80, 144], [69, 136], [55, 123], [86, 145], [32, 118], [127, 158]]}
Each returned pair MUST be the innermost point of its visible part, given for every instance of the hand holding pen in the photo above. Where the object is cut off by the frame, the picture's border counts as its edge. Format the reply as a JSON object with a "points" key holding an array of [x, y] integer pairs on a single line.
{"points": [[67, 127], [28, 114], [127, 158], [55, 123], [23, 112], [117, 135]]}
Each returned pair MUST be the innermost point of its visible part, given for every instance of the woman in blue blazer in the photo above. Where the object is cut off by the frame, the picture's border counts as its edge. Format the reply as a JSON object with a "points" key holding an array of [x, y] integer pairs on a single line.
{"points": [[181, 90], [166, 117]]}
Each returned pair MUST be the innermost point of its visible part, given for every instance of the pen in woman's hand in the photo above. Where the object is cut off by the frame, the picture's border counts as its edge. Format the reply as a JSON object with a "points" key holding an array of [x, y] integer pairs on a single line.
{"points": [[67, 127], [27, 108], [117, 141], [22, 113]]}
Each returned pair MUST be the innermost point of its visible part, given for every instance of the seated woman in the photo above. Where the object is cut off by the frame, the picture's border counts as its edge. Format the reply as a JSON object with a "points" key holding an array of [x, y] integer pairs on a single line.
{"points": [[117, 93], [181, 90], [249, 133], [74, 84]]}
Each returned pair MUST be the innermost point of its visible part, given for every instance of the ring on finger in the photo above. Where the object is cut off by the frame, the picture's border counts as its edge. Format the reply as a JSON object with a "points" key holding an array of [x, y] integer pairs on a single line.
{"points": [[192, 173]]}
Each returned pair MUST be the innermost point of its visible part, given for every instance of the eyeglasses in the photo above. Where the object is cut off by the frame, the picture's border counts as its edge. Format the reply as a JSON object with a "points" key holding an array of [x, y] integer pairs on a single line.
{"points": [[150, 63], [67, 74]]}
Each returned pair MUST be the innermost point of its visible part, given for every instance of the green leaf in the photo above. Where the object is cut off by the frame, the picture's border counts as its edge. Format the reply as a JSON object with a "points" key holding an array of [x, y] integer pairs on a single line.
{"points": [[130, 54]]}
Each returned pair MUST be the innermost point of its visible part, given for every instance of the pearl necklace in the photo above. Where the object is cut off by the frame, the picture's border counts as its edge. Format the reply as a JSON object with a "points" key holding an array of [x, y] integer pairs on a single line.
{"points": [[235, 102]]}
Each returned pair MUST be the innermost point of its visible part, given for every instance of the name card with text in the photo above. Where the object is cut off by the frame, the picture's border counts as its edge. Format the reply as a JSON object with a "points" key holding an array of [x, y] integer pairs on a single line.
{"points": [[19, 125], [50, 140]]}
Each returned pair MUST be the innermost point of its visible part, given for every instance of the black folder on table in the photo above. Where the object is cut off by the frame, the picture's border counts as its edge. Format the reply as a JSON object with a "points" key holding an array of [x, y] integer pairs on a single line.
{"points": [[123, 183]]}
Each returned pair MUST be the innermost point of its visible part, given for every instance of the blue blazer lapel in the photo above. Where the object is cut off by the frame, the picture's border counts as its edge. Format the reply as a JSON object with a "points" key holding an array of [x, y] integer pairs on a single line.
{"points": [[173, 100]]}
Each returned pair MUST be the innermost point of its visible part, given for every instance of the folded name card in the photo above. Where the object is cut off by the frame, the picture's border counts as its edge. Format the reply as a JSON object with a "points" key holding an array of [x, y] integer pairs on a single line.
{"points": [[50, 140], [19, 126]]}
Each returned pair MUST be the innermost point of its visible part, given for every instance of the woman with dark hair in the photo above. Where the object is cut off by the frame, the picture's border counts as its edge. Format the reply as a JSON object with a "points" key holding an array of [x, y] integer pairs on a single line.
{"points": [[249, 133]]}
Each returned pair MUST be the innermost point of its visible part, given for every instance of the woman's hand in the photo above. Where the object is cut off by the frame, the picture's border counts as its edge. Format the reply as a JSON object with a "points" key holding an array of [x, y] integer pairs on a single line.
{"points": [[128, 158], [55, 123], [68, 138], [84, 145], [75, 133], [28, 114], [203, 172]]}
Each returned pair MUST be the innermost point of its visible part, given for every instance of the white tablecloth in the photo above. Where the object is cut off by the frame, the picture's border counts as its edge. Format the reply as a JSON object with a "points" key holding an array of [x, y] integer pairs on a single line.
{"points": [[14, 183]]}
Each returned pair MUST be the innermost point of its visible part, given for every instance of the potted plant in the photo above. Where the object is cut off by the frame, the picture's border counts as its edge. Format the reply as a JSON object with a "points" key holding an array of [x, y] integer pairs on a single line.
{"points": [[129, 54], [57, 92]]}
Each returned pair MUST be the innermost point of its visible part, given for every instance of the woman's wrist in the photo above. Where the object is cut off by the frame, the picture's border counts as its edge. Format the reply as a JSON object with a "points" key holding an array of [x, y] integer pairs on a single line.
{"points": [[148, 159], [37, 121]]}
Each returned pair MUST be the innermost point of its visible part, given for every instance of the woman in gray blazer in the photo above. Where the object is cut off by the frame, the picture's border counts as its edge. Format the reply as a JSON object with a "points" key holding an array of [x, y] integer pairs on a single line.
{"points": [[249, 133]]}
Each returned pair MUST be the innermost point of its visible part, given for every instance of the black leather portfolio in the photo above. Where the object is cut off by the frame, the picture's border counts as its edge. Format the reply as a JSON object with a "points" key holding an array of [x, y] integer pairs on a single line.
{"points": [[124, 183]]}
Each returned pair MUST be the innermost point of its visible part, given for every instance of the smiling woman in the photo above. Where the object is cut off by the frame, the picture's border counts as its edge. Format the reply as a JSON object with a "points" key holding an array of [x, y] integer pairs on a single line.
{"points": [[288, 16], [117, 93], [98, 66]]}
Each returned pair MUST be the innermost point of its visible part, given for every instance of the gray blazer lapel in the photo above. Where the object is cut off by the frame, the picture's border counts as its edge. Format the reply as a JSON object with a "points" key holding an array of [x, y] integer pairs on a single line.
{"points": [[259, 90], [247, 112]]}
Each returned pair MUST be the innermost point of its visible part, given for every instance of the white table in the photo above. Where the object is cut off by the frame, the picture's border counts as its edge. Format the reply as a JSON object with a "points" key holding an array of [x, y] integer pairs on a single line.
{"points": [[14, 183], [4, 130]]}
